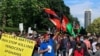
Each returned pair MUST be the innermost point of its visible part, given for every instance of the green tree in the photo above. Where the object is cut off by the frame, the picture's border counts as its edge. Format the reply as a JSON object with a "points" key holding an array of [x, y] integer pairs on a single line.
{"points": [[94, 27], [30, 12]]}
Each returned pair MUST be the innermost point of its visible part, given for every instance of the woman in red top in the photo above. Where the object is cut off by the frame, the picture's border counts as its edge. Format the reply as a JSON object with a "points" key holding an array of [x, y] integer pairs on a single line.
{"points": [[78, 51]]}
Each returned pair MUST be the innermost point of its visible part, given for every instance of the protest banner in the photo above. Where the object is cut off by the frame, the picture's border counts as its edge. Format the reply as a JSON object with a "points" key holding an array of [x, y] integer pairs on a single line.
{"points": [[16, 46], [21, 28]]}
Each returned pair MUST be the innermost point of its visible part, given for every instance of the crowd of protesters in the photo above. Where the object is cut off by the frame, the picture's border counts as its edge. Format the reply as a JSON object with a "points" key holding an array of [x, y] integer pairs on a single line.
{"points": [[62, 44]]}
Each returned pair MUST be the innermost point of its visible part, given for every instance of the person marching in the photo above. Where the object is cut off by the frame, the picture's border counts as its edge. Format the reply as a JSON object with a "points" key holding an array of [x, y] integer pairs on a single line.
{"points": [[46, 47]]}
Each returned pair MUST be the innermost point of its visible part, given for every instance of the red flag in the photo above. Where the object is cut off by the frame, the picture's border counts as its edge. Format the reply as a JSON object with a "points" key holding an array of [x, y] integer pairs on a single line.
{"points": [[56, 22], [49, 11], [64, 22], [53, 18]]}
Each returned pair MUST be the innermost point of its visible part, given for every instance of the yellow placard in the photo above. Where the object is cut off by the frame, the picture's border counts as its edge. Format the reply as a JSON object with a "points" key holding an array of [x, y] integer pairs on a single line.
{"points": [[15, 46]]}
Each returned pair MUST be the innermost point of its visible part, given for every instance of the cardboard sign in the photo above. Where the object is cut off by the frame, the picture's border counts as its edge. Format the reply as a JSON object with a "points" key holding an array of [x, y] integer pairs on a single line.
{"points": [[30, 30], [16, 46], [21, 27]]}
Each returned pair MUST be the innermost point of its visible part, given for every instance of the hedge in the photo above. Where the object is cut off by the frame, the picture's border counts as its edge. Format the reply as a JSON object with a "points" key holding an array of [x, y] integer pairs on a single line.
{"points": [[10, 29]]}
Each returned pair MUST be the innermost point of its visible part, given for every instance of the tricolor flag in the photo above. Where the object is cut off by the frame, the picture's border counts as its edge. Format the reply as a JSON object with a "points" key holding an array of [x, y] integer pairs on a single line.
{"points": [[53, 17], [50, 11], [64, 22], [70, 29], [66, 26]]}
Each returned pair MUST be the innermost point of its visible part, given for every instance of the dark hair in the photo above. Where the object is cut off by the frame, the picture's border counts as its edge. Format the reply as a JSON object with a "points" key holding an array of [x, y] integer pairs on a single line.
{"points": [[85, 37], [45, 35], [98, 44], [78, 43], [51, 35]]}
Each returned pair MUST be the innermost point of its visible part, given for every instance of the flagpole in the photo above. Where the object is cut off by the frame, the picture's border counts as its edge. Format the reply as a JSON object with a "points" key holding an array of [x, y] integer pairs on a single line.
{"points": [[60, 9]]}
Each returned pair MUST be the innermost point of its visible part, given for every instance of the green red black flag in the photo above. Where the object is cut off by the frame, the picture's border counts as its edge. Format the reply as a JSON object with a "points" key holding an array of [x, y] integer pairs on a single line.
{"points": [[53, 17], [64, 23]]}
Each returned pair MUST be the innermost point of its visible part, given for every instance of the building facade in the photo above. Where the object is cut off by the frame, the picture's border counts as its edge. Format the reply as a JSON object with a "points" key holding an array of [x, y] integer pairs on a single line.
{"points": [[87, 18]]}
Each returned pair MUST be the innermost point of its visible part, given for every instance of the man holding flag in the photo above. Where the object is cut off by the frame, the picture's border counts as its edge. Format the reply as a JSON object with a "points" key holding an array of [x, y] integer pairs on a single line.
{"points": [[46, 47], [62, 23]]}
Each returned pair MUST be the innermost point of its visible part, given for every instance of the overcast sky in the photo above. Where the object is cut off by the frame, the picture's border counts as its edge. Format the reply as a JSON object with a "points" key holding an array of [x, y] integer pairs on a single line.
{"points": [[77, 8]]}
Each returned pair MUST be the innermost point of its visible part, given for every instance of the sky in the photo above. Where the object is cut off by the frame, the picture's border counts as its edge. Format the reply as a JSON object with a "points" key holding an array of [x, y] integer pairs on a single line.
{"points": [[77, 8]]}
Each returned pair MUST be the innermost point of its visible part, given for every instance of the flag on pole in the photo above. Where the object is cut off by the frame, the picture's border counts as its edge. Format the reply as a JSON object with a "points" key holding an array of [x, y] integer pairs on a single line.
{"points": [[69, 28], [66, 26], [50, 11], [55, 21], [53, 17], [64, 23]]}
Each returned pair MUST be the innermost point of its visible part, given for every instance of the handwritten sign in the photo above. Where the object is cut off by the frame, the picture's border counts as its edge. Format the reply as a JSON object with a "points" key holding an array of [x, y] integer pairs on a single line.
{"points": [[15, 46]]}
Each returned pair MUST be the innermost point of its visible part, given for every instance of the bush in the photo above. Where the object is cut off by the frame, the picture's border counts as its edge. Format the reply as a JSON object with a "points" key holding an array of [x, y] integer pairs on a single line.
{"points": [[9, 29]]}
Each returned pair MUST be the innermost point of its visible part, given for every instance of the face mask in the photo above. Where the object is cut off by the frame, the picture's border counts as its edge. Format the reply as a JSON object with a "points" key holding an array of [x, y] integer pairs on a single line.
{"points": [[81, 39]]}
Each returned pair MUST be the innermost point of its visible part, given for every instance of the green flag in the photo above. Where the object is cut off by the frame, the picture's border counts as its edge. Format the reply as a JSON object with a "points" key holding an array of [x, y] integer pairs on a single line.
{"points": [[70, 29]]}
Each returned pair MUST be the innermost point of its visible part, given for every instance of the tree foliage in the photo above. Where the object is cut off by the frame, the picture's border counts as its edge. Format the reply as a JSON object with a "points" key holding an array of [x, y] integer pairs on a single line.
{"points": [[30, 12], [94, 27]]}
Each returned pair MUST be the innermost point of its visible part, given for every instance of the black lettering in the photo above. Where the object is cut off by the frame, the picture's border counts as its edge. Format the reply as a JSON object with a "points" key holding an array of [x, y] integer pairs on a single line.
{"points": [[21, 44], [13, 53], [9, 36], [13, 37], [4, 40], [28, 46], [12, 42], [26, 40], [29, 41], [21, 39], [14, 48]]}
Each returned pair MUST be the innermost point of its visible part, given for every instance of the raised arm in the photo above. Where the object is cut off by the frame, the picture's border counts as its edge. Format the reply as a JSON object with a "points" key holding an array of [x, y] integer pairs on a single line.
{"points": [[55, 35]]}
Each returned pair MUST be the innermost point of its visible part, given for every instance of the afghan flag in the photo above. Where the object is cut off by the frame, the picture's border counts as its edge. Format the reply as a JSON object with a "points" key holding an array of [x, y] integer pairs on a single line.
{"points": [[63, 23], [53, 18], [49, 11], [66, 26], [74, 31], [70, 29]]}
